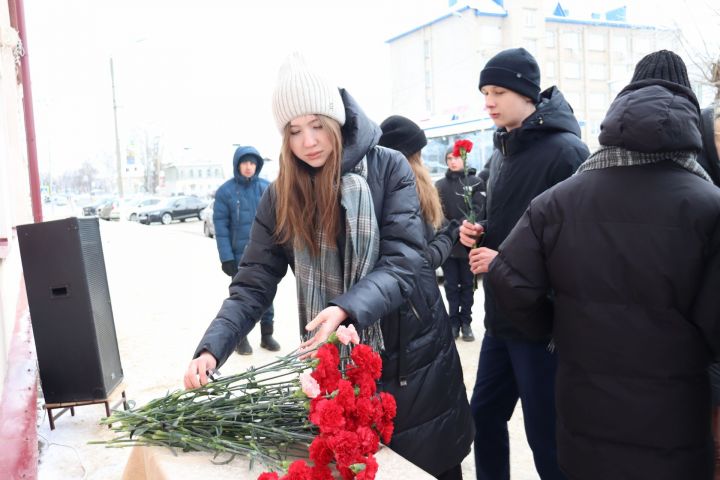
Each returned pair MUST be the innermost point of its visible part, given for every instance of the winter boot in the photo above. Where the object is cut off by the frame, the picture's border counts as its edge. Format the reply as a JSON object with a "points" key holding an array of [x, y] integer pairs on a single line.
{"points": [[467, 333], [455, 331], [243, 347], [266, 339]]}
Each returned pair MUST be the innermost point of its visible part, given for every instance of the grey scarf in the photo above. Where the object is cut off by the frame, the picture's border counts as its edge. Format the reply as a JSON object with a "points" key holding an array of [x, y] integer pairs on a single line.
{"points": [[321, 278], [607, 157]]}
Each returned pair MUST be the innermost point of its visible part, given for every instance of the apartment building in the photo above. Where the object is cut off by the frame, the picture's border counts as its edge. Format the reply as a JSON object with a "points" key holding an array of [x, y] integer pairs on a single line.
{"points": [[590, 56]]}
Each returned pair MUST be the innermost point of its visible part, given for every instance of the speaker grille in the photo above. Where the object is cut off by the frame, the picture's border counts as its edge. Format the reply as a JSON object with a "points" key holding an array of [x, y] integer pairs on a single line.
{"points": [[99, 291]]}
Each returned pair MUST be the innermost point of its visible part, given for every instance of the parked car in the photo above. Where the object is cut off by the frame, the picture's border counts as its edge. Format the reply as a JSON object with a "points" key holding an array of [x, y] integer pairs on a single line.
{"points": [[173, 208], [91, 209], [130, 209], [105, 211], [207, 218]]}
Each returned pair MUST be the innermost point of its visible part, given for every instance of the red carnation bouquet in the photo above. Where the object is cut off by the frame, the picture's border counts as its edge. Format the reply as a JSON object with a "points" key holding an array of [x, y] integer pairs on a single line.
{"points": [[351, 416]]}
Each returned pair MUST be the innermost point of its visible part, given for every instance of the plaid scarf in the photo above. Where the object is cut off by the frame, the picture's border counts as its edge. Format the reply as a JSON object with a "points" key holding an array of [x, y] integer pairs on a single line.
{"points": [[607, 157], [321, 278]]}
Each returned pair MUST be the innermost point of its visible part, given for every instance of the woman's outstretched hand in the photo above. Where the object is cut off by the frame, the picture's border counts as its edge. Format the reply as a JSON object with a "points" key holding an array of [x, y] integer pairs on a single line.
{"points": [[327, 321], [196, 373]]}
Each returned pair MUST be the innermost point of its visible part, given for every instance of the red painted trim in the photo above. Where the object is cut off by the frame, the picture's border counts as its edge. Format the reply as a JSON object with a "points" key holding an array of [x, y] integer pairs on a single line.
{"points": [[18, 407], [4, 247]]}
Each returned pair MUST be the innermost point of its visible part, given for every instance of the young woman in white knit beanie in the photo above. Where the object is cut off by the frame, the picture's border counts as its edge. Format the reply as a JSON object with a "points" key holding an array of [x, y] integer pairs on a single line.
{"points": [[344, 215]]}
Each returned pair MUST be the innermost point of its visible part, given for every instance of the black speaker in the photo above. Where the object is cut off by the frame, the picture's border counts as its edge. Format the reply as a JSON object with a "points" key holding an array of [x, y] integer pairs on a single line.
{"points": [[70, 309]]}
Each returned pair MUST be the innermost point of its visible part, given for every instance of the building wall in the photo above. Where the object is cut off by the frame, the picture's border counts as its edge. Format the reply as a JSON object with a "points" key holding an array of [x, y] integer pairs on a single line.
{"points": [[590, 62], [15, 206]]}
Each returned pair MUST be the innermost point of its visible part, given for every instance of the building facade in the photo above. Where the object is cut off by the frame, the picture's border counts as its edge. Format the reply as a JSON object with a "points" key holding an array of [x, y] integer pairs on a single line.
{"points": [[590, 56]]}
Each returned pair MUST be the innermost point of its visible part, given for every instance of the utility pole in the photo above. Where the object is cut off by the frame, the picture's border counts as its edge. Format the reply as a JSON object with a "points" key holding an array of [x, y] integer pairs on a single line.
{"points": [[117, 137]]}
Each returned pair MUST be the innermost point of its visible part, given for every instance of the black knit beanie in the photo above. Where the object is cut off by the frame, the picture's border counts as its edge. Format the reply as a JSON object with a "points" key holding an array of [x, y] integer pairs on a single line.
{"points": [[402, 134], [514, 69], [662, 65]]}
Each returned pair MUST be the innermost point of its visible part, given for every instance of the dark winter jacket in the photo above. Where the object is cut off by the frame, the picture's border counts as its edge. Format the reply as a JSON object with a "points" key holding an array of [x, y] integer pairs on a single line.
{"points": [[451, 189], [709, 156], [622, 266], [236, 202], [421, 366], [545, 150]]}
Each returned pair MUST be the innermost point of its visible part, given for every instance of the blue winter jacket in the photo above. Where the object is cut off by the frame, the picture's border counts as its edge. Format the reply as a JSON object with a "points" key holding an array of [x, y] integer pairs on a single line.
{"points": [[236, 202]]}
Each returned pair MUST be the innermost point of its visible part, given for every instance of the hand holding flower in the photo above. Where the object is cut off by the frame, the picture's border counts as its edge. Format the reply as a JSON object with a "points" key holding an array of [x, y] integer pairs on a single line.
{"points": [[470, 233]]}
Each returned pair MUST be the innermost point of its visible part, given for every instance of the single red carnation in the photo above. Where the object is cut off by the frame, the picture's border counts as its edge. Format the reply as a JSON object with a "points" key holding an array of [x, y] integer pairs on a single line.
{"points": [[346, 395], [366, 411], [371, 468], [299, 470], [322, 472], [320, 452], [327, 373], [365, 359], [368, 440], [346, 446], [268, 476], [328, 415], [461, 148]]}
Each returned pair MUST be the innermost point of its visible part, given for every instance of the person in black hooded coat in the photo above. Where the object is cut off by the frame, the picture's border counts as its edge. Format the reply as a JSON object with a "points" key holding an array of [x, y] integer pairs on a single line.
{"points": [[420, 364], [710, 131], [621, 264]]}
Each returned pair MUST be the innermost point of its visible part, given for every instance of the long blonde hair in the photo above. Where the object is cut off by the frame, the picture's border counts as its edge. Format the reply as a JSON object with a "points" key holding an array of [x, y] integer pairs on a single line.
{"points": [[307, 199], [427, 193]]}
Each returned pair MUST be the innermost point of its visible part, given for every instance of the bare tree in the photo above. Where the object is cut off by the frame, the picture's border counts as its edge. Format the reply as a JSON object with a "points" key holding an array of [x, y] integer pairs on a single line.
{"points": [[703, 52]]}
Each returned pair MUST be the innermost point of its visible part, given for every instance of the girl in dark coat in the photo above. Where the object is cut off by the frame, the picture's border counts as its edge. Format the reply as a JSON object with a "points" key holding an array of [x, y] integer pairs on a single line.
{"points": [[402, 134], [621, 264], [344, 215]]}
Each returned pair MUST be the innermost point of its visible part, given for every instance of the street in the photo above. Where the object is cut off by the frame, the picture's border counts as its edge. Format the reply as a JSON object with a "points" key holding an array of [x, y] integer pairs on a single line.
{"points": [[166, 285]]}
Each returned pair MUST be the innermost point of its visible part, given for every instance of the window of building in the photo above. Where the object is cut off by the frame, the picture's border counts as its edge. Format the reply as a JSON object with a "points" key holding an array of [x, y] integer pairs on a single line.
{"points": [[570, 41], [530, 17], [199, 172], [642, 45], [598, 101], [571, 70], [549, 70], [427, 48], [192, 173], [217, 172], [618, 43], [596, 41], [597, 71], [550, 38], [573, 98], [208, 173]]}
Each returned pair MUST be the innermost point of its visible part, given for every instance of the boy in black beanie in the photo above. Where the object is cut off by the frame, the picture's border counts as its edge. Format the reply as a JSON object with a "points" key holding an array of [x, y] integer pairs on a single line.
{"points": [[537, 145]]}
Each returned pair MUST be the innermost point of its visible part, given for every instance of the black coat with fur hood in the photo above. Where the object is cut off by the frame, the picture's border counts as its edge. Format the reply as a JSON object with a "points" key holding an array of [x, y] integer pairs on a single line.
{"points": [[622, 266], [421, 366]]}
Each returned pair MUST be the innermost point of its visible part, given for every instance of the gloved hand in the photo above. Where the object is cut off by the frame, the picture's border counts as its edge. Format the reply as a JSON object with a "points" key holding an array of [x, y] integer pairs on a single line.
{"points": [[229, 267]]}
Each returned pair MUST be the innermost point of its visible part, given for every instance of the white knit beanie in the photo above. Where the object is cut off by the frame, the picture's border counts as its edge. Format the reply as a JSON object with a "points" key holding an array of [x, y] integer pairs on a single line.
{"points": [[300, 91]]}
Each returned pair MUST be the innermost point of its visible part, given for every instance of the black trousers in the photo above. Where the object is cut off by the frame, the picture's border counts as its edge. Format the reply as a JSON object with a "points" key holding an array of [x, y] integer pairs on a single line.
{"points": [[459, 290]]}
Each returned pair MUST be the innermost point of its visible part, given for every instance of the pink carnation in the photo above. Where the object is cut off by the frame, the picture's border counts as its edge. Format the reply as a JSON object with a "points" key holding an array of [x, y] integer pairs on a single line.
{"points": [[347, 334], [309, 385]]}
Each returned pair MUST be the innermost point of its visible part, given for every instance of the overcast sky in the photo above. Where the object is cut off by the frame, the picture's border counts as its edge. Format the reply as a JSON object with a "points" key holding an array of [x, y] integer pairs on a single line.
{"points": [[200, 74]]}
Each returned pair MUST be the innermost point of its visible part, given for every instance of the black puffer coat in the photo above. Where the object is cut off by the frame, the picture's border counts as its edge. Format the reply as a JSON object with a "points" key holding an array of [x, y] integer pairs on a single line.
{"points": [[421, 367], [632, 257], [451, 189], [544, 150]]}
